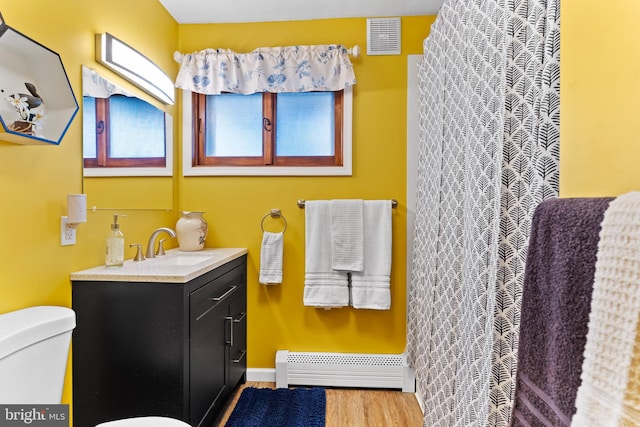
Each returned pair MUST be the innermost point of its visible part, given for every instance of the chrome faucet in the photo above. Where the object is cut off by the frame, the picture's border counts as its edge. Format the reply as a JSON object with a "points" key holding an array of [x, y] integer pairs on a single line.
{"points": [[152, 240]]}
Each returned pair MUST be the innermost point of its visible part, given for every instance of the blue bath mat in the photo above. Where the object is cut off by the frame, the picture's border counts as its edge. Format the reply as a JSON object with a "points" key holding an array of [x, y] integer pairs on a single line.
{"points": [[282, 407]]}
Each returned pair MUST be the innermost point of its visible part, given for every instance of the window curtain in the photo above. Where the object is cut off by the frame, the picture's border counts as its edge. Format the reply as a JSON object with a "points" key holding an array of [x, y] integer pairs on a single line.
{"points": [[489, 150], [268, 69], [96, 86]]}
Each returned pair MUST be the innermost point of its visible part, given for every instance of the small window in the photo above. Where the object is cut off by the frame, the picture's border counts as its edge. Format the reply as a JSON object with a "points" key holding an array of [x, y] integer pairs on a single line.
{"points": [[307, 125], [232, 128], [289, 133], [123, 132]]}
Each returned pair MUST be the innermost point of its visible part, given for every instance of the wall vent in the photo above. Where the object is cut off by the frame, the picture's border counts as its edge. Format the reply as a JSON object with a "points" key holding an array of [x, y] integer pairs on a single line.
{"points": [[344, 370], [383, 36]]}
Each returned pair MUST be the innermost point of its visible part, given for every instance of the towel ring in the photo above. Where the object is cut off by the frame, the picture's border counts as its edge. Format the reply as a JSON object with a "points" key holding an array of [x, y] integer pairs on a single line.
{"points": [[274, 213]]}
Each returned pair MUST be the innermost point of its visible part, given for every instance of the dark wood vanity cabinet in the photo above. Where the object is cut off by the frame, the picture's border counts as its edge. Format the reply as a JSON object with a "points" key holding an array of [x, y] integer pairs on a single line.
{"points": [[165, 349]]}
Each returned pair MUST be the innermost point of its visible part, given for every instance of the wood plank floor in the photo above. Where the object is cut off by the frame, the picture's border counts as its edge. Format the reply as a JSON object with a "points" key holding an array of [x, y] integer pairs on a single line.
{"points": [[355, 407]]}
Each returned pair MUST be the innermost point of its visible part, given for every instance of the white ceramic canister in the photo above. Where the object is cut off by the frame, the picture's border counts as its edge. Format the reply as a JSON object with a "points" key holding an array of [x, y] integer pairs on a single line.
{"points": [[191, 230]]}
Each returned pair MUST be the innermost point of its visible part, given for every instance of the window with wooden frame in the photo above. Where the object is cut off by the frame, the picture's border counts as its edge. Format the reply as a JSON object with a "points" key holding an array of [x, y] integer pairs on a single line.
{"points": [[123, 132], [302, 129]]}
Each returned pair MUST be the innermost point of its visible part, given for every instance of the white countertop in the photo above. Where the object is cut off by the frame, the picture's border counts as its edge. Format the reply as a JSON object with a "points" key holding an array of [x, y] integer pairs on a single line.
{"points": [[175, 267]]}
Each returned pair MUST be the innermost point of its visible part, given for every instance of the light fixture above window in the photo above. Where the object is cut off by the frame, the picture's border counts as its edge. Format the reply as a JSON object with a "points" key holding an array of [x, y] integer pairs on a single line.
{"points": [[134, 66]]}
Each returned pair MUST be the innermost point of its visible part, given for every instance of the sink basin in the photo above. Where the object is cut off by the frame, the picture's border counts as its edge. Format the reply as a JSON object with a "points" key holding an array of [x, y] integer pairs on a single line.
{"points": [[184, 259]]}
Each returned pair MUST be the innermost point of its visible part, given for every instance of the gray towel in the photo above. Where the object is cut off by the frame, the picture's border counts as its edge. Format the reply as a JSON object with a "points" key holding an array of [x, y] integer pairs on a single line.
{"points": [[556, 302]]}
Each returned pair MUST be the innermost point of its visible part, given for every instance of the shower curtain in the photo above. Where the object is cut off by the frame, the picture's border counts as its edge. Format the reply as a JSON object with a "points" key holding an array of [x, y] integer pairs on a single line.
{"points": [[489, 134]]}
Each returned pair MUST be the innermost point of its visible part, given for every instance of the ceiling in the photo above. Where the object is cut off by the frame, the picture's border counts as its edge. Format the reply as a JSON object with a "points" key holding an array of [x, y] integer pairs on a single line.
{"points": [[235, 11]]}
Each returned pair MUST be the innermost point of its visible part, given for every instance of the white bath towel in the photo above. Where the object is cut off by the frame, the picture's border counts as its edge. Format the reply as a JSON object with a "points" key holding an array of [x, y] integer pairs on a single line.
{"points": [[371, 288], [609, 394], [347, 233], [323, 287], [271, 256]]}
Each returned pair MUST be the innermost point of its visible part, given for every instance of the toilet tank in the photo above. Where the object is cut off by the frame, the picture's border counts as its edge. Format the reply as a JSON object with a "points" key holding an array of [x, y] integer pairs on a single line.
{"points": [[34, 346]]}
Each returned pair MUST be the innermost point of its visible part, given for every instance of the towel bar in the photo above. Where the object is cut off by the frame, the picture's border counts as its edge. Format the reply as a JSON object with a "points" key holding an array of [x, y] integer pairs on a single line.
{"points": [[301, 202]]}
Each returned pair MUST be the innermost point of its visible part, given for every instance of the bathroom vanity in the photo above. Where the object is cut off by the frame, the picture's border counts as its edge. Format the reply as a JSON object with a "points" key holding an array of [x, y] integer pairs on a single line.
{"points": [[164, 336]]}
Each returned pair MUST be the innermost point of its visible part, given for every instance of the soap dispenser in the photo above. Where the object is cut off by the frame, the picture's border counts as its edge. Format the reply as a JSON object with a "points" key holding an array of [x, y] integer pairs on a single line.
{"points": [[115, 245]]}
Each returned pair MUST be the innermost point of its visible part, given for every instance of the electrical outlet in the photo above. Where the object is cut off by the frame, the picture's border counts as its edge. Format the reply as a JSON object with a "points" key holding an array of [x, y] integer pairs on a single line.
{"points": [[67, 233]]}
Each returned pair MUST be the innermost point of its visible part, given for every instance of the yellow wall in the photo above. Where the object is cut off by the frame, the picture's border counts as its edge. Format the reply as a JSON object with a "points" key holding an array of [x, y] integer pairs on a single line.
{"points": [[34, 180], [234, 206], [600, 98]]}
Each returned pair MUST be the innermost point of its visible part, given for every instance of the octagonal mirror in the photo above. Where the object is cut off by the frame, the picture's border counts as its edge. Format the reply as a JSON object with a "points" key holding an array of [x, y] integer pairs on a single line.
{"points": [[37, 104]]}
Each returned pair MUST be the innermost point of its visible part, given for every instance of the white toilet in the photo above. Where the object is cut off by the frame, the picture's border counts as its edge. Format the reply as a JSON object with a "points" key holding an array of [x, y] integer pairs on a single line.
{"points": [[34, 346]]}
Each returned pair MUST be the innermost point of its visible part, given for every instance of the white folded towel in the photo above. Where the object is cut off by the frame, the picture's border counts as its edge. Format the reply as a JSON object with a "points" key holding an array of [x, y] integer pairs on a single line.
{"points": [[347, 233], [323, 287], [271, 254], [371, 288]]}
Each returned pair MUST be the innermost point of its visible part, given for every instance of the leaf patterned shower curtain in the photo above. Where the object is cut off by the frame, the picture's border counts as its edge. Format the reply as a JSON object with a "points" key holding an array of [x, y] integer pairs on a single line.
{"points": [[489, 135]]}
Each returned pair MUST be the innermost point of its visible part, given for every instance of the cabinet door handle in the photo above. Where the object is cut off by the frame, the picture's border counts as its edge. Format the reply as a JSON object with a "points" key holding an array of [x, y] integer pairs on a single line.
{"points": [[230, 319], [226, 294], [231, 322], [244, 353]]}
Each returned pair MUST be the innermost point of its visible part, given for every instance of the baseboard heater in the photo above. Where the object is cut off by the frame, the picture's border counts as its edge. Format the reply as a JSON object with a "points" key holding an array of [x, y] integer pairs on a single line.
{"points": [[389, 371]]}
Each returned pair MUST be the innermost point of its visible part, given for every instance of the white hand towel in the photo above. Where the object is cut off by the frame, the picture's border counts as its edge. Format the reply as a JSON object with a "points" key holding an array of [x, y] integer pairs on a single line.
{"points": [[371, 288], [347, 233], [271, 255], [323, 287]]}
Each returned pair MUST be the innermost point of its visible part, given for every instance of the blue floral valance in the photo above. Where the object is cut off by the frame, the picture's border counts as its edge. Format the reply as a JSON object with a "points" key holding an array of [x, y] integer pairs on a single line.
{"points": [[272, 69], [96, 86]]}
